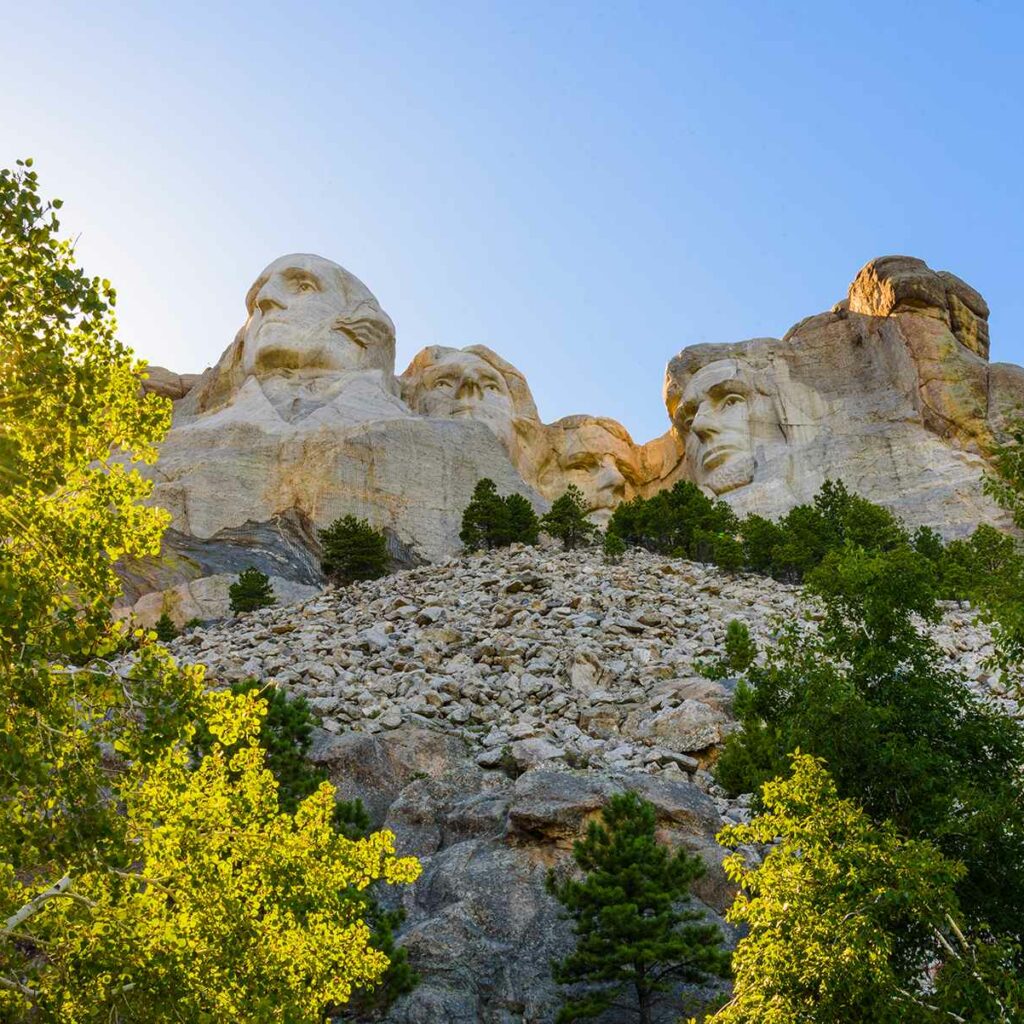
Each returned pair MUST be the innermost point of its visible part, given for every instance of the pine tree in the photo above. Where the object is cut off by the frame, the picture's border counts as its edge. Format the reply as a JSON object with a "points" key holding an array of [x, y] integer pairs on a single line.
{"points": [[740, 649], [251, 591], [614, 547], [630, 930], [567, 521], [485, 519], [354, 550], [523, 524], [165, 629]]}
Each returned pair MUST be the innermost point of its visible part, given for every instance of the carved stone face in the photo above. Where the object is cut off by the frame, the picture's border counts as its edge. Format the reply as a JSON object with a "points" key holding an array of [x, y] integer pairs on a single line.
{"points": [[309, 315], [461, 385], [714, 420], [597, 456]]}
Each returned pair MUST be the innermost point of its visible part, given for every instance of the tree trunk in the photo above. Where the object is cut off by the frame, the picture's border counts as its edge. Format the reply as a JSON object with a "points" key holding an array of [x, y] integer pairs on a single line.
{"points": [[643, 995]]}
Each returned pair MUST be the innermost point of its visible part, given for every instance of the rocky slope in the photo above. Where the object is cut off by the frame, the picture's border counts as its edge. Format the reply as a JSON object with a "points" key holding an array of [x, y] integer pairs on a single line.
{"points": [[484, 709]]}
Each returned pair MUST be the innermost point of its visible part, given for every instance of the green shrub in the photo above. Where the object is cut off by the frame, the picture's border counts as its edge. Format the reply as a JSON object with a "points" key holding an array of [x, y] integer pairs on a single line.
{"points": [[353, 550], [251, 591], [166, 631]]}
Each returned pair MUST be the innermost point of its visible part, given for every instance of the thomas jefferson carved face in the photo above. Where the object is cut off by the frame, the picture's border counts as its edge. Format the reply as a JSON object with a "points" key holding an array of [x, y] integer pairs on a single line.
{"points": [[714, 420], [309, 315], [461, 385], [595, 454]]}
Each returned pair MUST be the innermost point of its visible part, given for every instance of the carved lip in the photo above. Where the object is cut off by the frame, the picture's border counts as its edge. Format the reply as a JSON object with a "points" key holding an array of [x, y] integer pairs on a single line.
{"points": [[714, 457]]}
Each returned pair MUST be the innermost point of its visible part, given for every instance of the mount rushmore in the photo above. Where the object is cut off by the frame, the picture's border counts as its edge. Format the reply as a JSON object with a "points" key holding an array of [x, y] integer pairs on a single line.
{"points": [[303, 419]]}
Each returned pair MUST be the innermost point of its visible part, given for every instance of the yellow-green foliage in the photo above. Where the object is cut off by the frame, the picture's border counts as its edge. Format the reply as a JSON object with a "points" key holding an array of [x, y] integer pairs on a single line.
{"points": [[842, 913], [231, 908], [136, 884]]}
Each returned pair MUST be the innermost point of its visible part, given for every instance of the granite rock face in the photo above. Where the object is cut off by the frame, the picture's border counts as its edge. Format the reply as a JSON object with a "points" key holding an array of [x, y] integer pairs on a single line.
{"points": [[484, 709], [891, 392], [303, 416]]}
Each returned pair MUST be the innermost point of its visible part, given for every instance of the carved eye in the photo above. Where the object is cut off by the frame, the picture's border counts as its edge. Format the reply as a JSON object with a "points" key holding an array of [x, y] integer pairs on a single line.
{"points": [[491, 386], [687, 423], [731, 400], [443, 384]]}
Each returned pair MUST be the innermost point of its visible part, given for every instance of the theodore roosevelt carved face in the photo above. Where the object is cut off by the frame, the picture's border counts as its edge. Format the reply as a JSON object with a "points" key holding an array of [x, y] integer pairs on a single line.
{"points": [[597, 455], [308, 315]]}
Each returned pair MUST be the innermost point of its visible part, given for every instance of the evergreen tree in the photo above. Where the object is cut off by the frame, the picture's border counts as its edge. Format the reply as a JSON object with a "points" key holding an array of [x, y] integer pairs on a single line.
{"points": [[523, 524], [631, 933], [740, 649], [682, 522], [353, 550], [567, 520], [165, 629], [251, 591], [614, 547], [485, 518]]}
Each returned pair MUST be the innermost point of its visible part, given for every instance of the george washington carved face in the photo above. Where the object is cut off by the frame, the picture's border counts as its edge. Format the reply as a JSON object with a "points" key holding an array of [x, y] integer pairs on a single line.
{"points": [[309, 315]]}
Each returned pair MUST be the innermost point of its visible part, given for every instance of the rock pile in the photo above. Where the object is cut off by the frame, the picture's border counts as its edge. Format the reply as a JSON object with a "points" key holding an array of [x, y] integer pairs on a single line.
{"points": [[532, 656], [485, 708]]}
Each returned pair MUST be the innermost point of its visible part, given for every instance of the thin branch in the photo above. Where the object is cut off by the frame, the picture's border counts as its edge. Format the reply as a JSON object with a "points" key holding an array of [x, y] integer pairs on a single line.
{"points": [[17, 986], [35, 904]]}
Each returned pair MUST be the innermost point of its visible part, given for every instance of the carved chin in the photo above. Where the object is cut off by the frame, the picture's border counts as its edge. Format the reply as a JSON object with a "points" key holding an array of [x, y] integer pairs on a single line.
{"points": [[737, 471]]}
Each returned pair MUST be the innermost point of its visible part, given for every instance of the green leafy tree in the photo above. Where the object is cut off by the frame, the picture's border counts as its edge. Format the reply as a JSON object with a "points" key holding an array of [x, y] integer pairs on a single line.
{"points": [[843, 912], [632, 935], [285, 736], [567, 519], [165, 629], [135, 883], [251, 591], [354, 550], [902, 733]]}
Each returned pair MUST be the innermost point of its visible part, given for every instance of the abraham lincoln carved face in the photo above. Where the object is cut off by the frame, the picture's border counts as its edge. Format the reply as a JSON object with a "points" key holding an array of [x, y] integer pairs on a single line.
{"points": [[308, 315]]}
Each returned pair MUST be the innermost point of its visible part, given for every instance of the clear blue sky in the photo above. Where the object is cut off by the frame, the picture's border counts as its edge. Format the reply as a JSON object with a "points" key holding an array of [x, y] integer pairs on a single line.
{"points": [[586, 187]]}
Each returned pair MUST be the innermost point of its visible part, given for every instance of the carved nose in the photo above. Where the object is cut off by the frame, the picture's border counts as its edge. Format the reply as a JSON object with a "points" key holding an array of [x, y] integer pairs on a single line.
{"points": [[268, 298], [609, 478], [469, 389], [703, 425]]}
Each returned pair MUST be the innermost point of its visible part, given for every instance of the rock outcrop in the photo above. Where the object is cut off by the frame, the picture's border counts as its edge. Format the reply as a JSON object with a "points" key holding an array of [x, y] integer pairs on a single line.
{"points": [[484, 709]]}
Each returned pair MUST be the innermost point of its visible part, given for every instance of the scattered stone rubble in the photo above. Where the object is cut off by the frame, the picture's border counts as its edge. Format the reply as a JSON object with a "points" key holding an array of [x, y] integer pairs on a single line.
{"points": [[484, 709], [534, 657]]}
